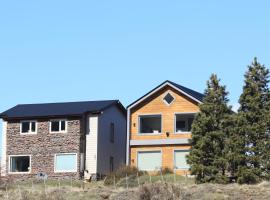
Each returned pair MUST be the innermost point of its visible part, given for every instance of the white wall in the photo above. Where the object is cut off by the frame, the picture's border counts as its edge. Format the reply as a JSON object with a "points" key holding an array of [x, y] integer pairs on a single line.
{"points": [[105, 147], [91, 145]]}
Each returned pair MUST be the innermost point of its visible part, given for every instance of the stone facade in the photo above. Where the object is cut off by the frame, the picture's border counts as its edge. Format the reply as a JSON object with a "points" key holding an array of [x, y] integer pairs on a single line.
{"points": [[44, 145]]}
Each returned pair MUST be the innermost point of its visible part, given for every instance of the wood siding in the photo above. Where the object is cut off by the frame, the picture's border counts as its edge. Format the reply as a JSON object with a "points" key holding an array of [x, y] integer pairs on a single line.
{"points": [[156, 105]]}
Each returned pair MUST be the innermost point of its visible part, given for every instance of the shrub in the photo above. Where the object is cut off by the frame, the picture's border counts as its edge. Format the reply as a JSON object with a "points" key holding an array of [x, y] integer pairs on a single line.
{"points": [[122, 172]]}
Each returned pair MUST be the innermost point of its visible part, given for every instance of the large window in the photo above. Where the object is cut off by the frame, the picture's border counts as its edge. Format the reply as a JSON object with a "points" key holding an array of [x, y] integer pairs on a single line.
{"points": [[183, 122], [149, 160], [58, 126], [28, 127], [180, 161], [19, 164], [150, 124], [66, 162]]}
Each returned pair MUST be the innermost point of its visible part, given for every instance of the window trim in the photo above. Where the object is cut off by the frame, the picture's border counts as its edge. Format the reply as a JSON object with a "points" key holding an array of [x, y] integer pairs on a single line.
{"points": [[150, 150], [9, 164], [28, 133], [174, 165], [139, 124], [163, 99], [186, 120], [64, 171], [55, 120]]}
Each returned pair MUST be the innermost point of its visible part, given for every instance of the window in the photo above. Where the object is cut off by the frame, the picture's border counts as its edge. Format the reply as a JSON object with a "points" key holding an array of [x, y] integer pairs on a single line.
{"points": [[58, 126], [28, 127], [183, 122], [111, 164], [112, 132], [150, 124], [66, 162], [168, 98], [180, 161], [149, 160], [19, 164]]}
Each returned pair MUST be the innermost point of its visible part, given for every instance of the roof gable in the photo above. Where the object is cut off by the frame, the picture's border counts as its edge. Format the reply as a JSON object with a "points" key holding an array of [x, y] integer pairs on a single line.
{"points": [[196, 96]]}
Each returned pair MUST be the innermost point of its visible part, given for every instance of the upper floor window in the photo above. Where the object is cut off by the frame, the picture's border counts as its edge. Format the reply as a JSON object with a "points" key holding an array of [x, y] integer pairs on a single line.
{"points": [[28, 127], [112, 132], [150, 124], [58, 126], [183, 122]]}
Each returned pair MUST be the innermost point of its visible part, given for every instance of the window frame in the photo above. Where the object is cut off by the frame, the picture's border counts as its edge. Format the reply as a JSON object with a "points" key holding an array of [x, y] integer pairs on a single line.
{"points": [[174, 165], [150, 151], [31, 132], [186, 121], [9, 164], [64, 171], [149, 115], [163, 99], [59, 120]]}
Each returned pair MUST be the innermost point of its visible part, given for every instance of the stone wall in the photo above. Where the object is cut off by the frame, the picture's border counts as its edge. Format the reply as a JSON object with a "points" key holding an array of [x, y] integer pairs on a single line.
{"points": [[43, 146]]}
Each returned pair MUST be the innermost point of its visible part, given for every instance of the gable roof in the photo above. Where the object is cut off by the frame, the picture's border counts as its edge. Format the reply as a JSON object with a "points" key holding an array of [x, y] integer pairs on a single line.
{"points": [[59, 109], [194, 95]]}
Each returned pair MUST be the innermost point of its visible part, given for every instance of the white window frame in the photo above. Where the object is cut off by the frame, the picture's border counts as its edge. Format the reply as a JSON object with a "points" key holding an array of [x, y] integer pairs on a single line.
{"points": [[64, 171], [58, 120], [186, 121], [30, 132], [163, 99], [9, 164], [149, 151], [182, 150], [145, 115]]}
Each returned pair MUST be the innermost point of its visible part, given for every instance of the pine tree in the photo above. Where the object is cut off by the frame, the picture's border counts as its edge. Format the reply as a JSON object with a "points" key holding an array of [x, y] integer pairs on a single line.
{"points": [[249, 139], [207, 157]]}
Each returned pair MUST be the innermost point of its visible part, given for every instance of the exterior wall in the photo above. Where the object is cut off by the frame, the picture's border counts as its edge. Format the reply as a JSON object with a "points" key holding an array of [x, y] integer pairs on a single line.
{"points": [[43, 146], [106, 148], [156, 105], [91, 146], [167, 155], [4, 150]]}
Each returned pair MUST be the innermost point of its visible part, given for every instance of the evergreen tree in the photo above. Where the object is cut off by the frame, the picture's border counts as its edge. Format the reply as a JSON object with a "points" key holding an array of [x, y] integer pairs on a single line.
{"points": [[248, 142], [207, 156]]}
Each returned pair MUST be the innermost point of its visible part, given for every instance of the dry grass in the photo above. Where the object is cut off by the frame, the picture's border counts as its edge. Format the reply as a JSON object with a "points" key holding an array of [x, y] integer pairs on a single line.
{"points": [[168, 189]]}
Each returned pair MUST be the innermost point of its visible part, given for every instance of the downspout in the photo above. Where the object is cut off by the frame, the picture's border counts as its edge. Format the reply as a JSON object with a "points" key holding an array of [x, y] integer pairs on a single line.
{"points": [[128, 135]]}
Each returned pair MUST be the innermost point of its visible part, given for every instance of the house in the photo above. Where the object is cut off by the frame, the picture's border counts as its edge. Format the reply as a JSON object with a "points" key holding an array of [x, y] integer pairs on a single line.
{"points": [[159, 128], [59, 140]]}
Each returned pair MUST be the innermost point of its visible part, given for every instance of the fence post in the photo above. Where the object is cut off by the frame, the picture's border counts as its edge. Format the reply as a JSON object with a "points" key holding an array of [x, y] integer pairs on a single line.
{"points": [[127, 181], [6, 192], [162, 179], [138, 178], [150, 178], [114, 182], [174, 176], [20, 192]]}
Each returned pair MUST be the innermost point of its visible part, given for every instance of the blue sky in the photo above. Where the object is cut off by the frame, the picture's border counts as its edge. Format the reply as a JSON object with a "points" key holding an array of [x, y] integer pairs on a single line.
{"points": [[54, 51]]}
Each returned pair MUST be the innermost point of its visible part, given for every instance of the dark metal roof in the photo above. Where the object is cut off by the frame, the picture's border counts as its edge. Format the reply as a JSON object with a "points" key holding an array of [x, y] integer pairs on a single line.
{"points": [[196, 95], [59, 109]]}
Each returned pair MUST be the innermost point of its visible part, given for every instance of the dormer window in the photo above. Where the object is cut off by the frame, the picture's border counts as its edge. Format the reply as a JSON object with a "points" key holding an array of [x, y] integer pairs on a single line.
{"points": [[28, 127], [168, 99]]}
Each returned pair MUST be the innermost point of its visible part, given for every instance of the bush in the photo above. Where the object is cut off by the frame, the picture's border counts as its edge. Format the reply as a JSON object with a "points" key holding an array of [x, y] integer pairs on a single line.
{"points": [[160, 191], [122, 172], [247, 176]]}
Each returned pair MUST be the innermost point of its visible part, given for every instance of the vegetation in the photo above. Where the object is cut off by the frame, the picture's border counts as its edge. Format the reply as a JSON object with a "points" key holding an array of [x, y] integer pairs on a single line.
{"points": [[207, 156], [233, 147]]}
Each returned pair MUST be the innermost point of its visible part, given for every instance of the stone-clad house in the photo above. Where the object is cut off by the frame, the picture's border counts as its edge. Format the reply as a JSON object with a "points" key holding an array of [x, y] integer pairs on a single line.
{"points": [[75, 139]]}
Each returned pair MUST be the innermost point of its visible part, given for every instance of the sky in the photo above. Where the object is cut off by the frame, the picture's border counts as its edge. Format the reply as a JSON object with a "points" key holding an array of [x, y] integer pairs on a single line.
{"points": [[57, 51]]}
